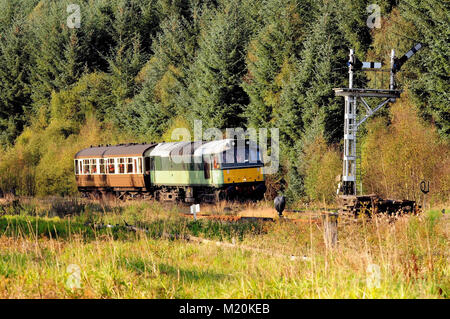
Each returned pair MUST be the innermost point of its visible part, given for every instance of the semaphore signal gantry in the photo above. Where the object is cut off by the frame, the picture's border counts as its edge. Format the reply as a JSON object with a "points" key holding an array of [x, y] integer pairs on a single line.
{"points": [[353, 118]]}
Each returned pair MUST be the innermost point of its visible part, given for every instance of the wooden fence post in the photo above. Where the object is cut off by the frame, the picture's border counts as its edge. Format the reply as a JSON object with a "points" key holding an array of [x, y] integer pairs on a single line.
{"points": [[330, 231]]}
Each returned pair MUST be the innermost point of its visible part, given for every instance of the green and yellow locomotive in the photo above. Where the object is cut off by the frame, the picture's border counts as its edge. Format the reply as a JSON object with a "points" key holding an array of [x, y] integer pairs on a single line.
{"points": [[183, 171]]}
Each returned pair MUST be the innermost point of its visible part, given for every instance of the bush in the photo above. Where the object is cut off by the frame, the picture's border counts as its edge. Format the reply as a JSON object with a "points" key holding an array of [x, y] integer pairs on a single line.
{"points": [[397, 157], [41, 162], [321, 165]]}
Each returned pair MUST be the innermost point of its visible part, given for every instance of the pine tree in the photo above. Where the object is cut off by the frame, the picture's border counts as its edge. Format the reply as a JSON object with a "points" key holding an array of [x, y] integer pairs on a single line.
{"points": [[215, 93], [322, 68], [163, 79], [430, 84], [309, 108], [57, 52], [268, 57], [14, 80]]}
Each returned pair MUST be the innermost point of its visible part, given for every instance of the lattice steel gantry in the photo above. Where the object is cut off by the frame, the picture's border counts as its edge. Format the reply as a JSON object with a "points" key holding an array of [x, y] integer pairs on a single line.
{"points": [[353, 118]]}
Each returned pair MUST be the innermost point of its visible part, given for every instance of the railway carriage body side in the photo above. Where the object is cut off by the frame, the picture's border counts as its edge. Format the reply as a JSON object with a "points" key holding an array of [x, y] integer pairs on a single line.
{"points": [[112, 168]]}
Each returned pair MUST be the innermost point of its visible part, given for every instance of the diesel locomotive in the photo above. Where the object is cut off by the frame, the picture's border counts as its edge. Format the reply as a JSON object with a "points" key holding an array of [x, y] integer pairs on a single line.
{"points": [[174, 171]]}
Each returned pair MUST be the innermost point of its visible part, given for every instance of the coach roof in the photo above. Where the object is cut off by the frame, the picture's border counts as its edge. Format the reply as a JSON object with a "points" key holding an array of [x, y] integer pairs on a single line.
{"points": [[131, 149]]}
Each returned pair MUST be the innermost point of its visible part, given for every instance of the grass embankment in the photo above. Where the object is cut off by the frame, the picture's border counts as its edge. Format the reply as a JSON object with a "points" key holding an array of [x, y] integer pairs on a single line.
{"points": [[38, 242]]}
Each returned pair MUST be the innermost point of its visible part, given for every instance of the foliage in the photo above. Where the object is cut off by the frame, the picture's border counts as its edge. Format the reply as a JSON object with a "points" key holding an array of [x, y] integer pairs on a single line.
{"points": [[137, 69], [320, 164], [430, 86], [41, 162], [268, 61], [396, 158], [162, 79], [426, 73], [216, 95]]}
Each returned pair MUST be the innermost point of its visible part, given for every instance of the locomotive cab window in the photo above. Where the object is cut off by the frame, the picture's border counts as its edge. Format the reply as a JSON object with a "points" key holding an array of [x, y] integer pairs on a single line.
{"points": [[241, 156], [253, 155], [216, 162]]}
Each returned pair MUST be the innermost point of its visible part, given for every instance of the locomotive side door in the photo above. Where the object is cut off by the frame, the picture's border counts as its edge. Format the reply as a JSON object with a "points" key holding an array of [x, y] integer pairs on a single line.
{"points": [[206, 168]]}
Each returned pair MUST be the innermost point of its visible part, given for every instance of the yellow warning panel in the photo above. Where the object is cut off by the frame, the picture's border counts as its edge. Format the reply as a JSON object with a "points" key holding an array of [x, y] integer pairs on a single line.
{"points": [[243, 175]]}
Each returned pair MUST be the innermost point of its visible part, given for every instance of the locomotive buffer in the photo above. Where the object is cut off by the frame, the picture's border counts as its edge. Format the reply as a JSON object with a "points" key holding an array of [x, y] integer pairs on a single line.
{"points": [[353, 118]]}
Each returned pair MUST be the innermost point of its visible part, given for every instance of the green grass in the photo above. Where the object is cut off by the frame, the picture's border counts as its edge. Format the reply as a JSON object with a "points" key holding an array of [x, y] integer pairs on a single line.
{"points": [[35, 251], [89, 228]]}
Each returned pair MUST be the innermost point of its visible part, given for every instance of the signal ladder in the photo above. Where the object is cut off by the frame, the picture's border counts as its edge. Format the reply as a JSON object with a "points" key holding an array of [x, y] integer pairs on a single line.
{"points": [[358, 181]]}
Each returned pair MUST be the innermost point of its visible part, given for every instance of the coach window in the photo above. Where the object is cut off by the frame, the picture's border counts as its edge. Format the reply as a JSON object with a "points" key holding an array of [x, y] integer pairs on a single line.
{"points": [[85, 166], [93, 166], [138, 165], [129, 165], [102, 166], [121, 165], [76, 167], [111, 167]]}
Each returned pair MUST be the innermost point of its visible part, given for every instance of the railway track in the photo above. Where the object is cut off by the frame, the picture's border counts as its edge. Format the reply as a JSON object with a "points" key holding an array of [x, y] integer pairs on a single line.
{"points": [[310, 217]]}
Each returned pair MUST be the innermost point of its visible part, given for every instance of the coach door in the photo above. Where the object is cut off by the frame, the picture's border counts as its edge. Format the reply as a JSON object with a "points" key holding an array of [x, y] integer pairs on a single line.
{"points": [[147, 172]]}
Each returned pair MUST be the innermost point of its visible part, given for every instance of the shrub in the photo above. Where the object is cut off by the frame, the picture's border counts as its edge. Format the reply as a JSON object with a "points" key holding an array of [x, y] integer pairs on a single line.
{"points": [[397, 157], [41, 162], [321, 165]]}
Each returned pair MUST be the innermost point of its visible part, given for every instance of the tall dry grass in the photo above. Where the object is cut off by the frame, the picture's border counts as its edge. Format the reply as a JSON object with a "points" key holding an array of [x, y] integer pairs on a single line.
{"points": [[410, 251]]}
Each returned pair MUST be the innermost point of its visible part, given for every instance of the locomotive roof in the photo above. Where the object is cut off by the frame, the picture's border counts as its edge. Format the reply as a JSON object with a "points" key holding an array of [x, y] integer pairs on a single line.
{"points": [[176, 149], [162, 149], [165, 149], [131, 149], [195, 148], [219, 146]]}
